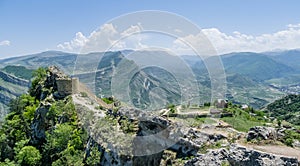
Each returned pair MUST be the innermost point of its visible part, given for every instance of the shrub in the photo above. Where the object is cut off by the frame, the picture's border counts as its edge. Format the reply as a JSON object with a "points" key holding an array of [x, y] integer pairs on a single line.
{"points": [[28, 155], [83, 94], [108, 100]]}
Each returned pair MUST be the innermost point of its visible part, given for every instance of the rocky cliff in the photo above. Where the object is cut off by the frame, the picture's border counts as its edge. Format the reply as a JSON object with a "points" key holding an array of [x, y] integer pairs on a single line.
{"points": [[10, 88], [127, 136], [14, 80]]}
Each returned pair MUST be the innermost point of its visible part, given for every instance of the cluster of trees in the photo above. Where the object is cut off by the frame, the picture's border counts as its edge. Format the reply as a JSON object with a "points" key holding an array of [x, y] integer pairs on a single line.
{"points": [[286, 109], [65, 140]]}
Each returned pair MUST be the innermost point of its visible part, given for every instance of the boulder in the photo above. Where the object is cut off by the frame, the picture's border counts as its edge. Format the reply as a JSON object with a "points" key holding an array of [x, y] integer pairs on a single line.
{"points": [[238, 155], [265, 133]]}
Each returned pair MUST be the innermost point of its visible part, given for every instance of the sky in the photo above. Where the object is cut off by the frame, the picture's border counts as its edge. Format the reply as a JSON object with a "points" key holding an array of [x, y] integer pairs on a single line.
{"points": [[34, 26]]}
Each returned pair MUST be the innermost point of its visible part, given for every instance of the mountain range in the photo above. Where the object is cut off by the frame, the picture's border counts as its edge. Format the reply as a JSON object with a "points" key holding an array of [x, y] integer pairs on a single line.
{"points": [[252, 78]]}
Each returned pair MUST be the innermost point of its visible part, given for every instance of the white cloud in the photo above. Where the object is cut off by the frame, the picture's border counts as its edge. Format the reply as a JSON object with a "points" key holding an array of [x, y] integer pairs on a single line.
{"points": [[291, 26], [132, 30], [76, 43], [109, 37], [238, 42], [5, 43]]}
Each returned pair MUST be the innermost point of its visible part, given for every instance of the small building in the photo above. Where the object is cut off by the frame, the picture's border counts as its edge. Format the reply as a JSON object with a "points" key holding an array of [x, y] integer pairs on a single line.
{"points": [[221, 103]]}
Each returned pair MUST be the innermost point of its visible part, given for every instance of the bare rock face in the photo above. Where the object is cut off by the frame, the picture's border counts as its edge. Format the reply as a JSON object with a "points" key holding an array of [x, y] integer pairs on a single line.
{"points": [[217, 157], [265, 133], [154, 135], [39, 125], [45, 92], [238, 155], [242, 156]]}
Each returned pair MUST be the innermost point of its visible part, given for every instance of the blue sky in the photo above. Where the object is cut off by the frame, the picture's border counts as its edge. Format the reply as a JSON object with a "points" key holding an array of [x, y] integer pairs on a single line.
{"points": [[32, 26]]}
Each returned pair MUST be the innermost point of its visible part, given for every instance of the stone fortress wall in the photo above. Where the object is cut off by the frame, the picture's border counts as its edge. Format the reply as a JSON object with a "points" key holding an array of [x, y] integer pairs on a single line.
{"points": [[67, 86]]}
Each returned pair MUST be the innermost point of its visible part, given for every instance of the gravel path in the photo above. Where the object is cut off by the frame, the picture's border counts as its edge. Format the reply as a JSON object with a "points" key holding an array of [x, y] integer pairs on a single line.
{"points": [[275, 149]]}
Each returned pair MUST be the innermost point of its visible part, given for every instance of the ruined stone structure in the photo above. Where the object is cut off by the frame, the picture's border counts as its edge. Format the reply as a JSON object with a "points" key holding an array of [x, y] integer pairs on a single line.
{"points": [[64, 86], [75, 85], [67, 86], [61, 82], [220, 103]]}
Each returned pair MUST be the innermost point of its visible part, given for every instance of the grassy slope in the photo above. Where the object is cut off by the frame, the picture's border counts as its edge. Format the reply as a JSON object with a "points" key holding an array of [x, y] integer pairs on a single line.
{"points": [[242, 120]]}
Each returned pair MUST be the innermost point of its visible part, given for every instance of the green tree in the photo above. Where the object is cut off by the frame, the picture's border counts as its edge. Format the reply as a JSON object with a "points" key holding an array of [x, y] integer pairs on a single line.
{"points": [[94, 156], [28, 155], [70, 156], [207, 104], [279, 122], [38, 76], [7, 162]]}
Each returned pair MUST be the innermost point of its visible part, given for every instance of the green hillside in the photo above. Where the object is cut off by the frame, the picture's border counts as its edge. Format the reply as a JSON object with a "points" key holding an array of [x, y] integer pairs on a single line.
{"points": [[11, 87], [287, 108], [290, 58], [18, 71], [256, 66]]}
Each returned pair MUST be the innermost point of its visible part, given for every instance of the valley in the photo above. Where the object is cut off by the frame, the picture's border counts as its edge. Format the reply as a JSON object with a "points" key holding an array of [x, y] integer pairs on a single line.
{"points": [[63, 125]]}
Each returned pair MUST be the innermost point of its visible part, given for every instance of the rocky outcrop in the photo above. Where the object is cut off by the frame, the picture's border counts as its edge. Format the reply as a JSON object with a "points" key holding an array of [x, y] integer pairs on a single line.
{"points": [[45, 92], [213, 158], [145, 142], [242, 156], [238, 155], [49, 86], [39, 125], [265, 133]]}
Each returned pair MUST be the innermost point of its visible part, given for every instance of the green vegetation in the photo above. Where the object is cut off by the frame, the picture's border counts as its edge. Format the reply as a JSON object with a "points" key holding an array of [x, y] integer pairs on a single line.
{"points": [[99, 107], [207, 104], [286, 109], [39, 75], [65, 139], [15, 132], [213, 145], [241, 124], [64, 144], [83, 94], [290, 136], [128, 126], [255, 66], [18, 71], [194, 122], [28, 155], [225, 163], [205, 120], [108, 100], [172, 108], [242, 120]]}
